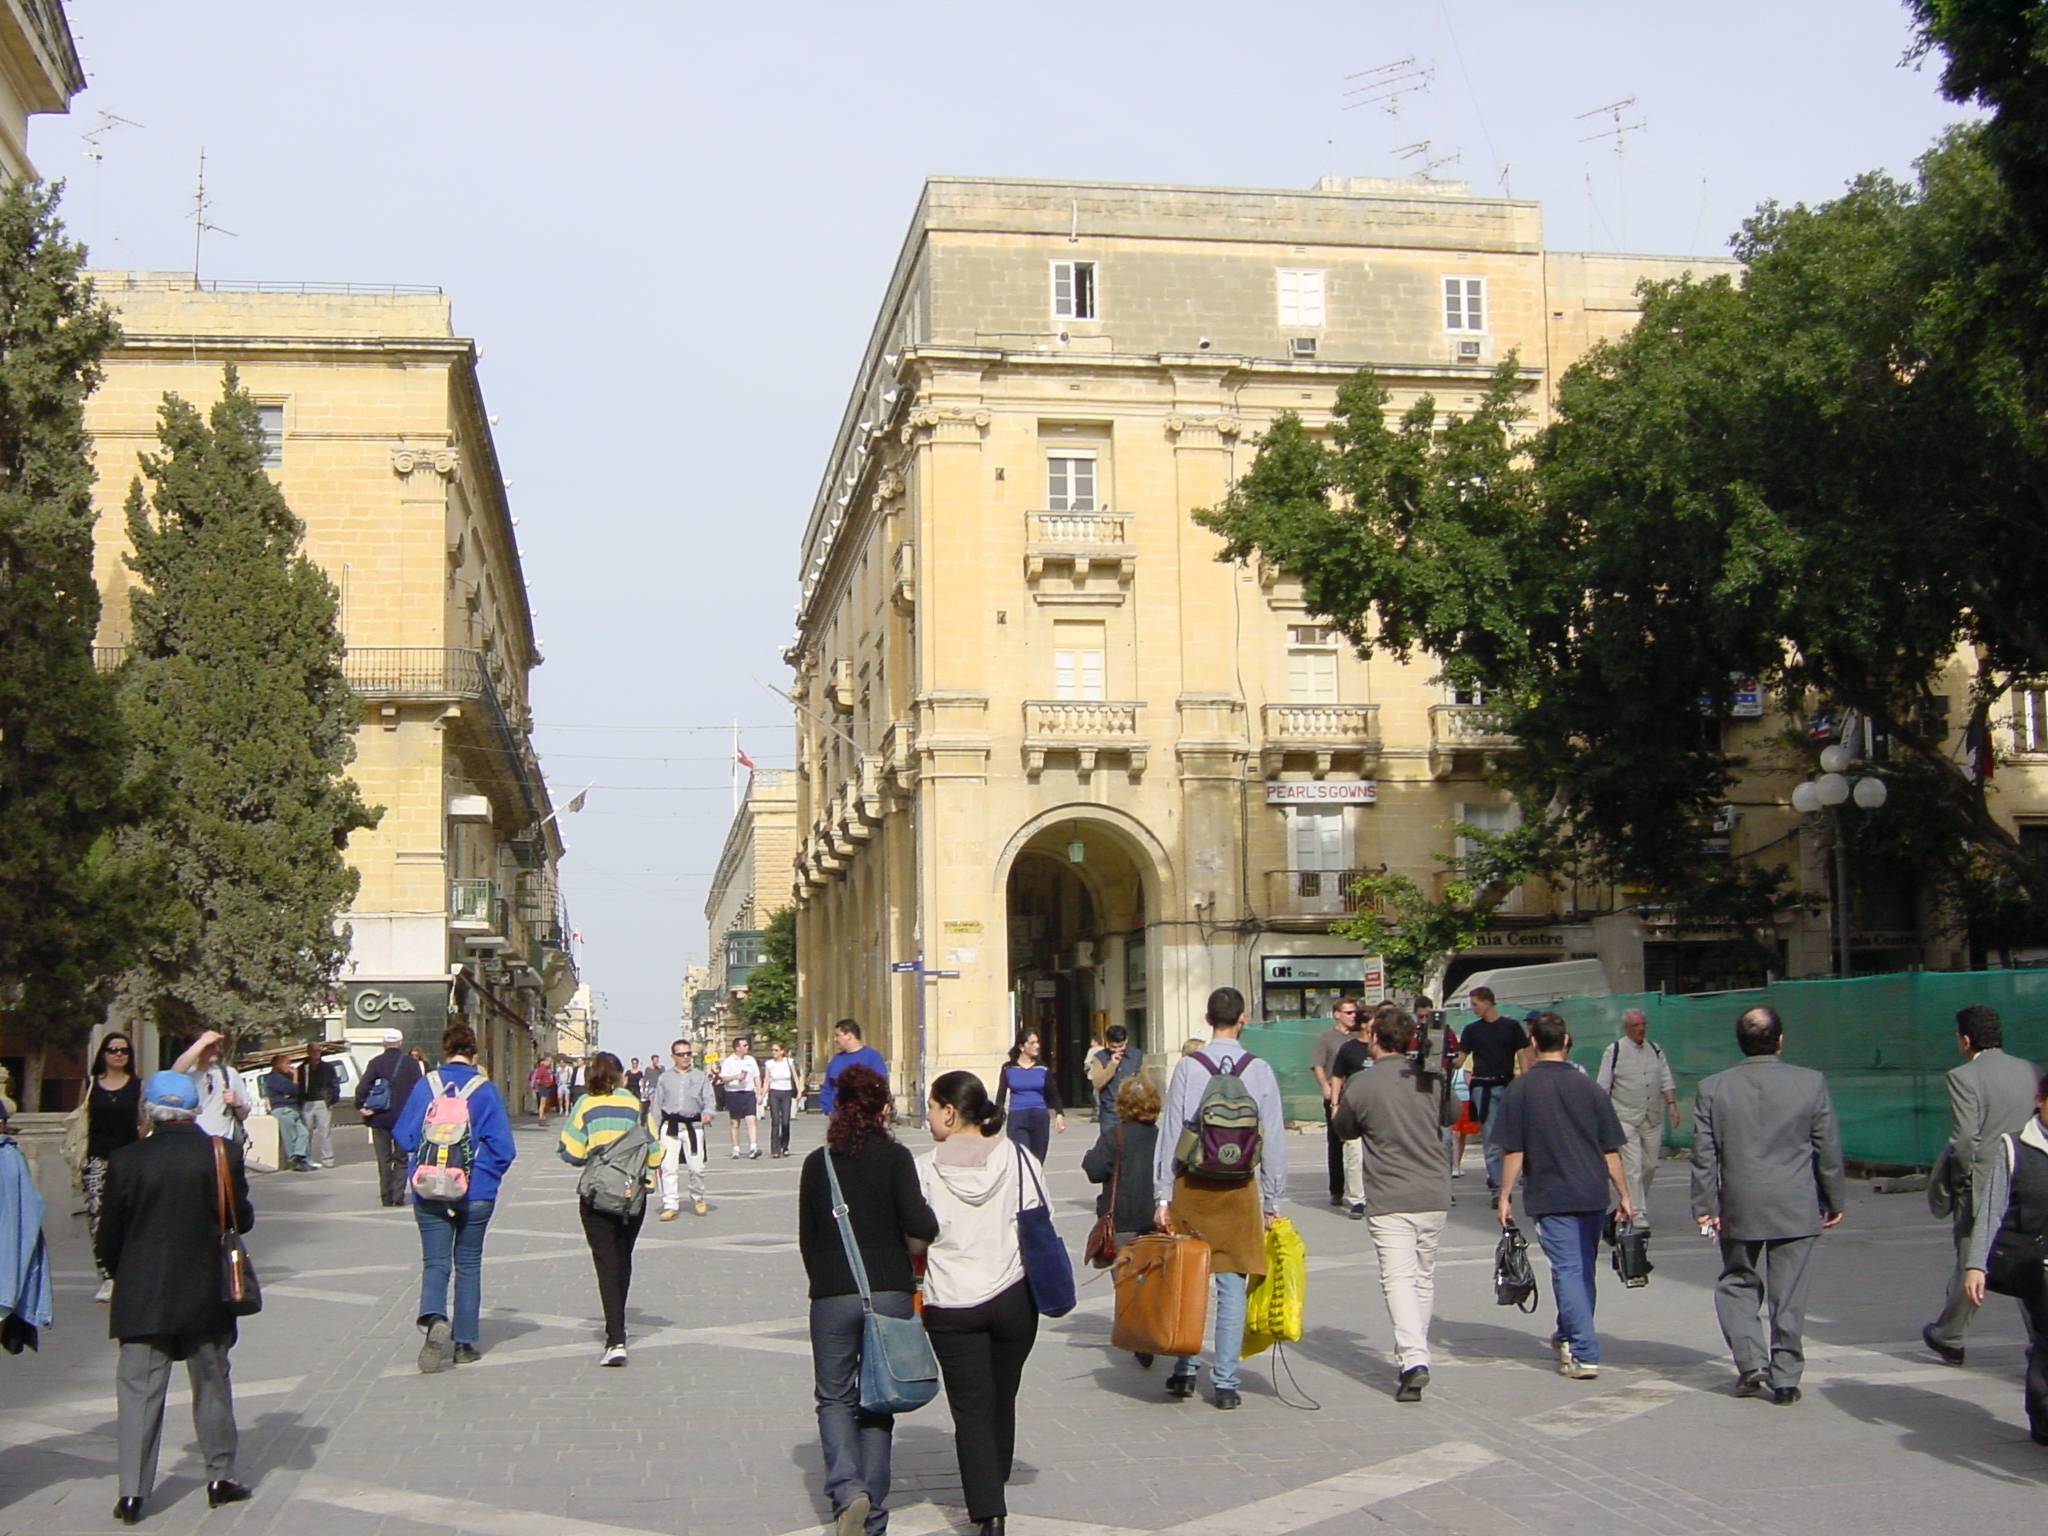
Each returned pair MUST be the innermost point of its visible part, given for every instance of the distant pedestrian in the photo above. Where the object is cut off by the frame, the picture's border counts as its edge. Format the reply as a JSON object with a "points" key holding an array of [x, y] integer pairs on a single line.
{"points": [[740, 1075], [1991, 1095], [160, 1238], [1121, 1162], [601, 1117], [778, 1073], [633, 1078], [1644, 1094], [2013, 1196], [223, 1106], [569, 1084], [113, 1120], [1110, 1065], [683, 1107], [382, 1093], [280, 1087], [541, 1084], [1344, 1027], [319, 1092], [848, 1051], [1766, 1179], [473, 1137], [1025, 1090], [1224, 1212], [978, 1307], [1352, 1057], [1557, 1127], [1493, 1048], [886, 1210], [1393, 1108]]}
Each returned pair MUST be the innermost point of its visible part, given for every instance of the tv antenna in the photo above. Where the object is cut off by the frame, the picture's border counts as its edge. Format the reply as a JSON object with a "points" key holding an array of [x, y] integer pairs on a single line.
{"points": [[1427, 163], [97, 154], [1615, 112], [1384, 85], [201, 205]]}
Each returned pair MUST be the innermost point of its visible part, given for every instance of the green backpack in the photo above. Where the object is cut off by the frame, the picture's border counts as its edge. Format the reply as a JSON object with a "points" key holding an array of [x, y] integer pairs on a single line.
{"points": [[1222, 1140]]}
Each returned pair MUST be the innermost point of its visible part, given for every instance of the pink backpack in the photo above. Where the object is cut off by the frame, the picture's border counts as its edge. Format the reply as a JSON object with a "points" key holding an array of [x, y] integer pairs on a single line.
{"points": [[447, 1148]]}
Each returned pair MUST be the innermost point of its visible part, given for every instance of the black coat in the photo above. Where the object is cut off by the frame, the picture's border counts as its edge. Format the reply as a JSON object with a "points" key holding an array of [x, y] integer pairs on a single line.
{"points": [[160, 1233], [1134, 1207], [396, 1064]]}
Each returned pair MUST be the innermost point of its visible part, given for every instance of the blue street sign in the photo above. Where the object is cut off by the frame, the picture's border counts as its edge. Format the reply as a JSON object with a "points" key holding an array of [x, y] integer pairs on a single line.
{"points": [[903, 965]]}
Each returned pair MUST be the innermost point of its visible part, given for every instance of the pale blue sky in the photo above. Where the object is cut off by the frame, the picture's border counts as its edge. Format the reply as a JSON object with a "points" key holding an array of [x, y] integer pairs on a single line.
{"points": [[669, 225]]}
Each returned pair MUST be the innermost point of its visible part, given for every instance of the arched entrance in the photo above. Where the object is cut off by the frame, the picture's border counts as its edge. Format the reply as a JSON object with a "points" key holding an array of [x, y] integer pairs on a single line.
{"points": [[1079, 953]]}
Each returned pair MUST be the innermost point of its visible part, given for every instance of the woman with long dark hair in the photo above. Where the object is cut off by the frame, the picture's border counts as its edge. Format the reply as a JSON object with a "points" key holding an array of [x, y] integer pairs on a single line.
{"points": [[978, 1306], [113, 1119], [887, 1211], [1026, 1092], [607, 1111]]}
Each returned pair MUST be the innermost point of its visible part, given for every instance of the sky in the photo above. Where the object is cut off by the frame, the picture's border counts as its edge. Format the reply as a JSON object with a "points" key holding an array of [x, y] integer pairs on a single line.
{"points": [[668, 225]]}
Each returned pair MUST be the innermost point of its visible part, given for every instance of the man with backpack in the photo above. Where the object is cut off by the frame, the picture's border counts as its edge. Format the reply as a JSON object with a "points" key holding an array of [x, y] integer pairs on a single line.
{"points": [[1640, 1086], [1221, 1160], [386, 1085]]}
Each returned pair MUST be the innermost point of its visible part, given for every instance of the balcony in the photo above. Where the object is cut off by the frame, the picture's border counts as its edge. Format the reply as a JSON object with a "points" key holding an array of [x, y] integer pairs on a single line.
{"points": [[1310, 898], [472, 907], [1085, 728], [1324, 731], [1465, 730], [1073, 549]]}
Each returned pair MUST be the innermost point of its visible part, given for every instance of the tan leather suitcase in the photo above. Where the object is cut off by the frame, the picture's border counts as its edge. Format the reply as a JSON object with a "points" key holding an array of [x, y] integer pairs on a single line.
{"points": [[1162, 1295]]}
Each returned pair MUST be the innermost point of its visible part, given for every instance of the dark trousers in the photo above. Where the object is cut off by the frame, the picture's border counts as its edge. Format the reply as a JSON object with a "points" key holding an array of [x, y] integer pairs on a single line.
{"points": [[855, 1442], [2035, 1314], [1033, 1129], [1336, 1150], [981, 1353], [611, 1240], [780, 1101], [390, 1167]]}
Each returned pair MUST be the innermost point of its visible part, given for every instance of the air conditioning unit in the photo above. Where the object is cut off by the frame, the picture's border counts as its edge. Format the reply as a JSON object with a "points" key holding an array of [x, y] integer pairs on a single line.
{"points": [[1468, 351], [1080, 958], [1302, 346]]}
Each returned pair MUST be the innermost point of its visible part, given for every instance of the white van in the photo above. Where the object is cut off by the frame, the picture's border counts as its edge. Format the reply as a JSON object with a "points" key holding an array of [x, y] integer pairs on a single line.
{"points": [[1518, 988]]}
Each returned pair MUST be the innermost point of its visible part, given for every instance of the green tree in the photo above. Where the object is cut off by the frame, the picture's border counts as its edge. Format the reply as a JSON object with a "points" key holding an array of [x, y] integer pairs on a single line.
{"points": [[769, 1007], [69, 915], [235, 695]]}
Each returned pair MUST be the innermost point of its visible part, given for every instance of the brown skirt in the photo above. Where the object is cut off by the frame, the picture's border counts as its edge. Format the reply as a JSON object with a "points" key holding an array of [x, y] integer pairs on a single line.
{"points": [[1227, 1218]]}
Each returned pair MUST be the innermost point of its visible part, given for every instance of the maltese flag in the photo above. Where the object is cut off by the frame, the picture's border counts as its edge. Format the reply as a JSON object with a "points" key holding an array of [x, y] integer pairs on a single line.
{"points": [[741, 758]]}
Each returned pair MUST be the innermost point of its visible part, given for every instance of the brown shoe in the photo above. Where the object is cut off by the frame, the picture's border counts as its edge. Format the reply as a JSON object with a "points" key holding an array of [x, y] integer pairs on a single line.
{"points": [[668, 1215], [698, 1202]]}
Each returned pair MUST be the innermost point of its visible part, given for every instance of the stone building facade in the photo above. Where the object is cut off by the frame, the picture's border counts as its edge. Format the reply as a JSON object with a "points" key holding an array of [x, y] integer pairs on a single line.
{"points": [[751, 884]]}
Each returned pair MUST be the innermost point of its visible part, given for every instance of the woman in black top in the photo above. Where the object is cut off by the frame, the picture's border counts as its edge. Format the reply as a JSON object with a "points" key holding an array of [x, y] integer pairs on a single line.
{"points": [[886, 1208], [113, 1118]]}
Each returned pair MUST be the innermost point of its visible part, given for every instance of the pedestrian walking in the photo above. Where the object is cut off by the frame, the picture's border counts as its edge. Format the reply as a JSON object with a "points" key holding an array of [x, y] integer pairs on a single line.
{"points": [[541, 1084], [740, 1076], [978, 1307], [605, 1114], [2012, 1198], [459, 1141], [1766, 1180], [113, 1120], [633, 1078], [24, 1251], [280, 1086], [1353, 1056], [886, 1211], [1223, 1210], [1026, 1092], [1555, 1126], [319, 1092], [848, 1050], [222, 1104], [683, 1106], [1110, 1065], [1393, 1108], [778, 1072], [569, 1083], [1494, 1047], [1322, 1057], [1121, 1162], [1639, 1085], [169, 1196], [382, 1093], [1990, 1095]]}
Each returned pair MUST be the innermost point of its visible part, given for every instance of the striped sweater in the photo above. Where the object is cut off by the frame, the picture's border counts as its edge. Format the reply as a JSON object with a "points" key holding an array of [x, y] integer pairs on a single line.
{"points": [[598, 1120]]}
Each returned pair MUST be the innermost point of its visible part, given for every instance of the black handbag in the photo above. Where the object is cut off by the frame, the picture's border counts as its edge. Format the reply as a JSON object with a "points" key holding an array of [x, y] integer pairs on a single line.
{"points": [[1514, 1282], [2017, 1261], [239, 1291], [1631, 1252]]}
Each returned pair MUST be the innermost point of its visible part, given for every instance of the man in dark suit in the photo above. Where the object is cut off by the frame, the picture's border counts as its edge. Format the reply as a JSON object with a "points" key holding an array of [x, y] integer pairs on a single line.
{"points": [[159, 1238], [1766, 1179], [395, 1068]]}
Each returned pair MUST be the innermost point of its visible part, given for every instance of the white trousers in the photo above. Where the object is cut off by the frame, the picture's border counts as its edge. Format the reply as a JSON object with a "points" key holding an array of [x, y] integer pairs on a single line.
{"points": [[1354, 1171], [678, 1152], [1406, 1245]]}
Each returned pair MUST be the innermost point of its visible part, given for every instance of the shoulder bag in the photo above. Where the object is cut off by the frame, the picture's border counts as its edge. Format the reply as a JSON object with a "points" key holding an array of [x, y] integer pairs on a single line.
{"points": [[239, 1291], [1100, 1250], [77, 1129], [2017, 1261], [1047, 1269], [898, 1371]]}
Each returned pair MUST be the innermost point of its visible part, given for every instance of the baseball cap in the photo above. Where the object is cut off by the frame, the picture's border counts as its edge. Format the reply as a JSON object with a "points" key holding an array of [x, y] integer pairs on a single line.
{"points": [[392, 1037], [173, 1089]]}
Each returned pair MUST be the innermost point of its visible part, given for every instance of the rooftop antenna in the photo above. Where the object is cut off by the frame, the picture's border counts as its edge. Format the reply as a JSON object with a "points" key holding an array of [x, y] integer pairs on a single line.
{"points": [[1427, 163], [109, 121], [1615, 111], [200, 205], [1384, 85]]}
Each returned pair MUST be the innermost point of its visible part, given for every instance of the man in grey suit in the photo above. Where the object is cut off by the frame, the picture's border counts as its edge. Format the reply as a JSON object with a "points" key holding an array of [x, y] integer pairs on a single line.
{"points": [[1989, 1095], [1766, 1179]]}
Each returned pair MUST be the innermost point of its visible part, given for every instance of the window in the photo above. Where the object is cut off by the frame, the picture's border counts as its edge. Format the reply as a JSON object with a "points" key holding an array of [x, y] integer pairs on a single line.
{"points": [[1073, 290], [1315, 838], [1464, 303], [1487, 818], [1070, 482], [1301, 298], [1077, 660], [1467, 693], [2030, 720], [271, 419], [1311, 676]]}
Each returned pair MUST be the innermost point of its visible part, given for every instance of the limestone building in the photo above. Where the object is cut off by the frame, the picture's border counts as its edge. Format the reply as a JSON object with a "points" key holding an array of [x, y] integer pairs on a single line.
{"points": [[376, 431], [751, 884], [39, 72], [1080, 768]]}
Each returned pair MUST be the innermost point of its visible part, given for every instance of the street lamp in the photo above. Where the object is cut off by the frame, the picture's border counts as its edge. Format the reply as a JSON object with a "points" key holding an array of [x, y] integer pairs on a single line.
{"points": [[1830, 792]]}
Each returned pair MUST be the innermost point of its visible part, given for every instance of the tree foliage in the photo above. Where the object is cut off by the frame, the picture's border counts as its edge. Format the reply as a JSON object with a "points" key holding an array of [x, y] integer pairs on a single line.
{"points": [[235, 695], [769, 1007]]}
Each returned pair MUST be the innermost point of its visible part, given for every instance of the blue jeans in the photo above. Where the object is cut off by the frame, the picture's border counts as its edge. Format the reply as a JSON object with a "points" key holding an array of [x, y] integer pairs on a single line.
{"points": [[855, 1441], [1484, 1097], [452, 1236], [1230, 1294], [291, 1133], [1572, 1244]]}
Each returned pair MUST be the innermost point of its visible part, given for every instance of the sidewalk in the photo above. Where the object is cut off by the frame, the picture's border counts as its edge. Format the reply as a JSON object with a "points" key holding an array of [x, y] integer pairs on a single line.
{"points": [[710, 1428]]}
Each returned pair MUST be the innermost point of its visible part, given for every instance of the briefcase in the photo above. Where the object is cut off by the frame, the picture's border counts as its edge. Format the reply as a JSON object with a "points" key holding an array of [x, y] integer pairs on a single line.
{"points": [[1162, 1295]]}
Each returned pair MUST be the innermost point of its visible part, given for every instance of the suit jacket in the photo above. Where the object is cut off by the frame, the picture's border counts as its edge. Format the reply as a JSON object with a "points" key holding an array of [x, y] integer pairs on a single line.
{"points": [[1989, 1095], [1766, 1157], [160, 1233]]}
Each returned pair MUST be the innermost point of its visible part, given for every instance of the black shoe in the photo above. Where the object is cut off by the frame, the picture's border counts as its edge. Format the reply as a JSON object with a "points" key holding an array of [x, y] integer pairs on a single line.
{"points": [[1144, 1360], [1337, 1200], [1784, 1397], [1749, 1384], [465, 1354], [1180, 1387], [1948, 1354], [1227, 1399], [128, 1512], [1413, 1380], [226, 1491], [1357, 1212], [2039, 1437], [993, 1526]]}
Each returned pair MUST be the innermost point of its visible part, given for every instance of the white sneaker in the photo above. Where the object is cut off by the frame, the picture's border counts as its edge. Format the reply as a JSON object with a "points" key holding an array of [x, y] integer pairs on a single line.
{"points": [[735, 1154], [1578, 1370], [105, 1292], [614, 1354]]}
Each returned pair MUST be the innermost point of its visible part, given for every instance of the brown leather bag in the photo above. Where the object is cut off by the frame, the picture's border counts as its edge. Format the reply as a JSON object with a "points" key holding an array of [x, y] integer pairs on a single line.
{"points": [[1162, 1295], [1100, 1249]]}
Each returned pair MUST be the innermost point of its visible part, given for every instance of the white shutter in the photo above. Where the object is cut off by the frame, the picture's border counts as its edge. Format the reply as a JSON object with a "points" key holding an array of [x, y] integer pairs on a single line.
{"points": [[1316, 837], [1301, 297]]}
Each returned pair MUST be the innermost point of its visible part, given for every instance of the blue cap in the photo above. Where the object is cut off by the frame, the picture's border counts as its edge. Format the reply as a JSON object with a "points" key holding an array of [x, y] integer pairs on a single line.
{"points": [[173, 1089]]}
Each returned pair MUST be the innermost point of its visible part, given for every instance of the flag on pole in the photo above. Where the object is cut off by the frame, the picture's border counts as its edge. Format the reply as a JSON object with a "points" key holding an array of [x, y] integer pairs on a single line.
{"points": [[1980, 758], [741, 758], [575, 803]]}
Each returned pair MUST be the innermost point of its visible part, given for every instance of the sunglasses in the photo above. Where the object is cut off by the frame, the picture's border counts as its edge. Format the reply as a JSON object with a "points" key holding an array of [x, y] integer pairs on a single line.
{"points": [[117, 1050]]}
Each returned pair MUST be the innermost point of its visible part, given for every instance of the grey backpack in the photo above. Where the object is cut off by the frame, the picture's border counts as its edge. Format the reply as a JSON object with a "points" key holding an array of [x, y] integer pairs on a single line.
{"points": [[614, 1180]]}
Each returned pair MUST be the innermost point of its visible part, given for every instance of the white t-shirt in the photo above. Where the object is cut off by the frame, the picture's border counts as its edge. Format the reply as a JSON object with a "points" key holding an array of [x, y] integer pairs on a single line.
{"points": [[215, 1118], [781, 1074], [740, 1074]]}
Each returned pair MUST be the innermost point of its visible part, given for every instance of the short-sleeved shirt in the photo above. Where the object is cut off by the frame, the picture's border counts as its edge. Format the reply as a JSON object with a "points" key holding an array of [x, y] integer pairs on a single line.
{"points": [[1328, 1044], [740, 1074], [1563, 1126], [1490, 1045], [1351, 1057], [781, 1074]]}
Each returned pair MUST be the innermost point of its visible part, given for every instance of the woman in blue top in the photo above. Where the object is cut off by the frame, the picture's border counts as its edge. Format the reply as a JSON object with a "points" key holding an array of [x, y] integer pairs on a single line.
{"points": [[452, 1231], [1025, 1088]]}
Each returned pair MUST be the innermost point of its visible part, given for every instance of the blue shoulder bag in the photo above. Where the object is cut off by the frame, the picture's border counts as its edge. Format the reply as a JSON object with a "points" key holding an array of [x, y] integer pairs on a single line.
{"points": [[898, 1371], [1047, 1268]]}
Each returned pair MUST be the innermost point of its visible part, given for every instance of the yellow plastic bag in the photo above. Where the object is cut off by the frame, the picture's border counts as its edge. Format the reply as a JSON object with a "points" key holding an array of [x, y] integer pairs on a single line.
{"points": [[1273, 1305]]}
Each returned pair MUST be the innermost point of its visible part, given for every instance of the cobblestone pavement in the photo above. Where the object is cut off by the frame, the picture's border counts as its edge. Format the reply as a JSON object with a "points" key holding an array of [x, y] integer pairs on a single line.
{"points": [[710, 1428]]}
